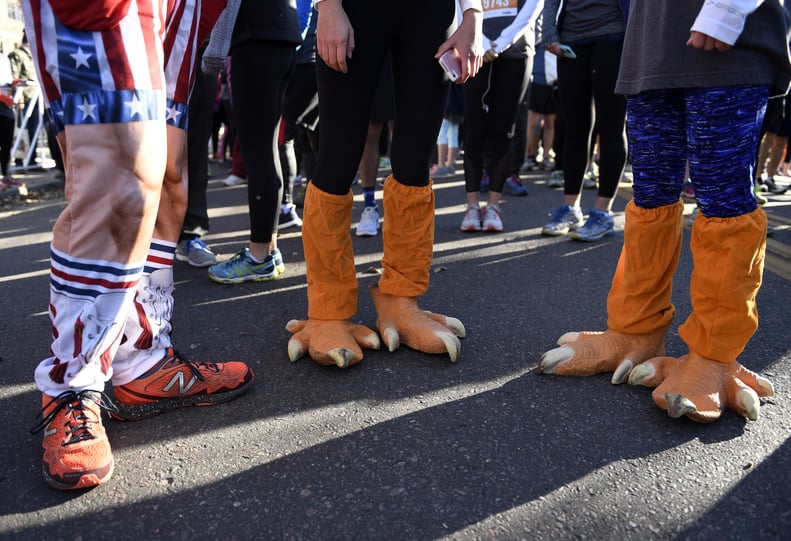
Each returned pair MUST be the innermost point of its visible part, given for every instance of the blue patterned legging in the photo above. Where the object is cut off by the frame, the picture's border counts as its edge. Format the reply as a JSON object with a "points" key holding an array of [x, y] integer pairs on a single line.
{"points": [[716, 130]]}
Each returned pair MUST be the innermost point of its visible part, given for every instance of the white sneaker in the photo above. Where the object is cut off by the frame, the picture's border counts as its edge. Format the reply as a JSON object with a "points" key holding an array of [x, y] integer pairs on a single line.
{"points": [[491, 219], [556, 179], [472, 219], [233, 180], [564, 219], [369, 223]]}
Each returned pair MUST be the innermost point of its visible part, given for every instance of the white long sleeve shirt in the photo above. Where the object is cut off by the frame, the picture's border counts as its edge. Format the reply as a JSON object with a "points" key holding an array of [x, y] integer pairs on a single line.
{"points": [[724, 19]]}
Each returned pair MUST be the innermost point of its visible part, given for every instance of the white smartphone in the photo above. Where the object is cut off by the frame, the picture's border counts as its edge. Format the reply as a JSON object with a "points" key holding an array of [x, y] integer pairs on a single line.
{"points": [[567, 52], [451, 63]]}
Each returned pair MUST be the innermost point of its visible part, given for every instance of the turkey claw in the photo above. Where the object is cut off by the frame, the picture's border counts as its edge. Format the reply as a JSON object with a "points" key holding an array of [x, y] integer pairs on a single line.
{"points": [[554, 357], [401, 321], [330, 342]]}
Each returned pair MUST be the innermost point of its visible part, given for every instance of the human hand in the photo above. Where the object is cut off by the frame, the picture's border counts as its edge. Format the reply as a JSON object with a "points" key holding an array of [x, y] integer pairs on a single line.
{"points": [[334, 35], [699, 40], [490, 55], [554, 48], [467, 42]]}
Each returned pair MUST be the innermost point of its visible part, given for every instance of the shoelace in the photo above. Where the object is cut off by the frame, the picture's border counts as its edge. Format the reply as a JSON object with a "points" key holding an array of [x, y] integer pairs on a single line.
{"points": [[559, 213], [596, 218], [235, 259], [194, 366], [196, 244], [80, 429]]}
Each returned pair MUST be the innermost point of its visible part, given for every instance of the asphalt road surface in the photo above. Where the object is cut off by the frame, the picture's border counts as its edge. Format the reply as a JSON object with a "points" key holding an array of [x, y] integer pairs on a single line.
{"points": [[407, 445]]}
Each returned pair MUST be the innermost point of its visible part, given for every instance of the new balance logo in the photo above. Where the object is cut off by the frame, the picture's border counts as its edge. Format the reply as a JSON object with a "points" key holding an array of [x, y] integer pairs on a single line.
{"points": [[179, 378]]}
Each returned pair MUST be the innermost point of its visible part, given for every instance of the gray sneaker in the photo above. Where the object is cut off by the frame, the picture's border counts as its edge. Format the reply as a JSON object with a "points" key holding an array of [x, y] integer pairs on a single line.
{"points": [[556, 179], [195, 252], [589, 181], [564, 219], [599, 225]]}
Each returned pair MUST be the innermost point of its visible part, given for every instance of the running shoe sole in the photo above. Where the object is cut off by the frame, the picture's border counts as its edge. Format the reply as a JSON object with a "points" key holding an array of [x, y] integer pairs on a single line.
{"points": [[593, 238], [185, 258], [145, 410], [78, 480], [248, 278]]}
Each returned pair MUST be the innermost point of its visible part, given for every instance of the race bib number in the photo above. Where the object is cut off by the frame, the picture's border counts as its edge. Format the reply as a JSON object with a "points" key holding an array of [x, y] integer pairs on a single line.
{"points": [[499, 8]]}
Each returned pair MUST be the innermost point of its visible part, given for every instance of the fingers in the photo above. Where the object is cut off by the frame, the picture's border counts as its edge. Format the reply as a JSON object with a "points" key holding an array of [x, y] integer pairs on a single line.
{"points": [[335, 55], [698, 40], [334, 36]]}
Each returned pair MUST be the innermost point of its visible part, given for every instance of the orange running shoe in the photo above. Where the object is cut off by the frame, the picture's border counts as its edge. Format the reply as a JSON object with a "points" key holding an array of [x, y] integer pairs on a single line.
{"points": [[76, 451], [176, 382]]}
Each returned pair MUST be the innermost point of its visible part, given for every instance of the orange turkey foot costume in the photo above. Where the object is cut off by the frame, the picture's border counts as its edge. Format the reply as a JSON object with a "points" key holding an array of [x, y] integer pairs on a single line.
{"points": [[728, 256], [408, 234]]}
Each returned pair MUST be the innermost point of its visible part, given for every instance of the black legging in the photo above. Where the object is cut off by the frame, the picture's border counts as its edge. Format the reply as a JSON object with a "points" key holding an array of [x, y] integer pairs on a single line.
{"points": [[299, 108], [7, 124], [412, 31], [587, 91], [260, 72], [491, 101]]}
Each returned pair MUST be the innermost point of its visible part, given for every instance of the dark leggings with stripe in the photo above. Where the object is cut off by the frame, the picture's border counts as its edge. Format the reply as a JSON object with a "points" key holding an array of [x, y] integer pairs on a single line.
{"points": [[587, 93], [260, 72], [491, 102], [715, 130], [419, 89]]}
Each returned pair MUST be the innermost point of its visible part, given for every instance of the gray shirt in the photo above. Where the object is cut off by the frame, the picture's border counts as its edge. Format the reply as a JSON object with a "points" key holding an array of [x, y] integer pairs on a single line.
{"points": [[655, 54], [580, 20]]}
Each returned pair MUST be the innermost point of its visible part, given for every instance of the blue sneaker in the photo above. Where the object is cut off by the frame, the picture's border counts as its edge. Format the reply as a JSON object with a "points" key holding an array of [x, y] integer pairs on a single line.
{"points": [[513, 186], [241, 268], [599, 225], [564, 219]]}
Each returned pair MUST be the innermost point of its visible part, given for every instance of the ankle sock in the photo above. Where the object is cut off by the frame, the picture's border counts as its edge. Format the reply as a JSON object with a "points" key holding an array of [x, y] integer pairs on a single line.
{"points": [[370, 196]]}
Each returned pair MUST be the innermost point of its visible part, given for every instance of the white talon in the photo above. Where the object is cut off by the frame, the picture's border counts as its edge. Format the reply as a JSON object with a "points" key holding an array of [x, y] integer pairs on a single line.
{"points": [[452, 344], [678, 406], [568, 338], [295, 350], [640, 373], [766, 386], [554, 357], [456, 326], [621, 373], [391, 339], [291, 324], [748, 399], [341, 356], [372, 341]]}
